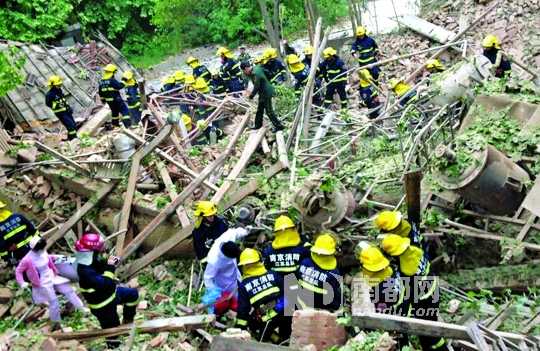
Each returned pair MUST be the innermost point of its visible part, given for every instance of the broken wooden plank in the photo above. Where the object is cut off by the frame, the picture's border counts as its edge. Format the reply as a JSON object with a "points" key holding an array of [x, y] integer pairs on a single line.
{"points": [[413, 192], [63, 158], [76, 217], [251, 146], [282, 149], [221, 343], [145, 327], [171, 189]]}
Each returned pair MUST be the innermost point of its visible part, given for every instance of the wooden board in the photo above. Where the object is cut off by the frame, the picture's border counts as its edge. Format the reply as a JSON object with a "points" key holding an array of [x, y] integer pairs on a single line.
{"points": [[220, 343]]}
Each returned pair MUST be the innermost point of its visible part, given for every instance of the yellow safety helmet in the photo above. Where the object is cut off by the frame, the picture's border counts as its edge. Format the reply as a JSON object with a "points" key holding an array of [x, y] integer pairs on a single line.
{"points": [[168, 80], [371, 257], [189, 79], [249, 256], [329, 52], [127, 77], [270, 53], [258, 60], [295, 64], [360, 31], [491, 41], [205, 209], [365, 78], [201, 85], [54, 81], [308, 50], [2, 204], [292, 59], [179, 76], [192, 60], [325, 244], [282, 223], [388, 220], [392, 83], [223, 51], [186, 119], [394, 244], [434, 64], [110, 68]]}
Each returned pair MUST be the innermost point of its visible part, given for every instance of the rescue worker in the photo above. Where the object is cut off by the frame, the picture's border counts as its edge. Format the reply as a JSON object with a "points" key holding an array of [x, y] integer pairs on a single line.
{"points": [[365, 49], [334, 72], [318, 277], [109, 91], [218, 84], [56, 101], [168, 84], [369, 96], [266, 91], [244, 56], [208, 227], [221, 275], [402, 241], [287, 48], [179, 79], [300, 72], [492, 50], [434, 66], [211, 131], [260, 299], [99, 286], [274, 67], [402, 91], [308, 55], [16, 232], [199, 70], [133, 97], [230, 71]]}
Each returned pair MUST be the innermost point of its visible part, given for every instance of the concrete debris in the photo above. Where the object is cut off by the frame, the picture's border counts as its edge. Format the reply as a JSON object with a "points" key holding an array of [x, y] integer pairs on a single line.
{"points": [[5, 295], [315, 327], [235, 333]]}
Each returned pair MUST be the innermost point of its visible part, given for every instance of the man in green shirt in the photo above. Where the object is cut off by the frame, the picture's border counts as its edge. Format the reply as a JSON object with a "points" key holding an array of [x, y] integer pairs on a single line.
{"points": [[266, 91]]}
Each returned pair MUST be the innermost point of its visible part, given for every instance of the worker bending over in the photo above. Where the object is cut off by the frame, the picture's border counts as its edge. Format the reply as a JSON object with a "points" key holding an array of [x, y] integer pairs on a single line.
{"points": [[99, 286], [335, 73], [275, 68], [179, 79], [492, 50], [56, 101], [369, 96], [260, 299], [168, 84], [208, 227], [16, 231], [199, 70], [133, 97], [403, 91], [365, 49], [109, 91], [230, 71]]}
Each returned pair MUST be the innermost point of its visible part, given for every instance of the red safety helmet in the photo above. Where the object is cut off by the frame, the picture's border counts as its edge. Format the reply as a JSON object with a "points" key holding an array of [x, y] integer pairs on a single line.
{"points": [[90, 242]]}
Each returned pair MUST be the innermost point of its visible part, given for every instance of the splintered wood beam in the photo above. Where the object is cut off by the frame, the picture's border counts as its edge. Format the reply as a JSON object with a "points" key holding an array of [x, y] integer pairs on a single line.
{"points": [[132, 182], [63, 158], [79, 214], [169, 185], [251, 146], [282, 149], [413, 191], [144, 327]]}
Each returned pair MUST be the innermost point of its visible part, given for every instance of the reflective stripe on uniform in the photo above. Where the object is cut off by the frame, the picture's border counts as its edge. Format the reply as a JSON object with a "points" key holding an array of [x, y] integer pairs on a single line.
{"points": [[109, 274], [285, 269], [137, 104], [134, 303], [269, 315], [3, 253], [104, 303], [263, 294], [439, 344], [313, 288], [72, 132], [431, 289], [108, 99], [25, 241], [15, 231], [91, 290], [241, 322]]}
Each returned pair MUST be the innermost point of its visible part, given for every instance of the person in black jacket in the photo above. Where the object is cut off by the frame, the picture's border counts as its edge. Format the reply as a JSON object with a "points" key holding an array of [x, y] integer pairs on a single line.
{"points": [[133, 97], [56, 101], [16, 232], [208, 227], [99, 286], [109, 91]]}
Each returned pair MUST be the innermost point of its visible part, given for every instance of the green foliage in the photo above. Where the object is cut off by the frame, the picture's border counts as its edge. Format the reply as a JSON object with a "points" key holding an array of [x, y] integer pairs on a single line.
{"points": [[285, 101], [161, 201], [329, 183], [18, 147], [11, 63], [86, 140], [522, 90], [432, 218]]}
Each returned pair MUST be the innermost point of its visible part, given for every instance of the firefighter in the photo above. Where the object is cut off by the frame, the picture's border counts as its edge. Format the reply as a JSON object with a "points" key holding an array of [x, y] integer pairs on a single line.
{"points": [[265, 90], [133, 97], [199, 70], [300, 72], [403, 91], [16, 232], [284, 254], [179, 79], [365, 49], [260, 299], [56, 101], [211, 132], [492, 50], [275, 68], [334, 72], [244, 56], [369, 96], [99, 286], [109, 91], [208, 227], [319, 280], [308, 55], [168, 84], [230, 71], [434, 66], [218, 84], [402, 241]]}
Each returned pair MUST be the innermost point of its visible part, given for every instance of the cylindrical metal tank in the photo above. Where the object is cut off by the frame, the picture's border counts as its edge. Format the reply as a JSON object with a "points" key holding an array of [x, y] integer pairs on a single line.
{"points": [[494, 183]]}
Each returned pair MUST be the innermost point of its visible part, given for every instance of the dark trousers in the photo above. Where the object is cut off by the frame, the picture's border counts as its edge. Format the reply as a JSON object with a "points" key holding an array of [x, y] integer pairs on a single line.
{"points": [[427, 309], [333, 88], [235, 85], [67, 120], [108, 315], [119, 107], [135, 114], [265, 105]]}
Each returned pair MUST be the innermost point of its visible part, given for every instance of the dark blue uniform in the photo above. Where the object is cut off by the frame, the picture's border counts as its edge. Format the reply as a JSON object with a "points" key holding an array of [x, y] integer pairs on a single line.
{"points": [[410, 97], [15, 233], [99, 288], [168, 86], [218, 85], [284, 260], [260, 303], [202, 72], [366, 49], [368, 97], [276, 71], [333, 70], [504, 68], [232, 75], [109, 91], [56, 101], [134, 103], [318, 288], [204, 236]]}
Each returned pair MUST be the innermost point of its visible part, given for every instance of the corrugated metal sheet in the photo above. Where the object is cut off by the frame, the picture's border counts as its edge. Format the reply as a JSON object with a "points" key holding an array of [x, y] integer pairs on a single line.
{"points": [[78, 66]]}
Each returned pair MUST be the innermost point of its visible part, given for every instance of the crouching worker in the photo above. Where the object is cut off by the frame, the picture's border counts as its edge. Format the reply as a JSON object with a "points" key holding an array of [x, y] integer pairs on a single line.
{"points": [[208, 227], [41, 272], [260, 299], [99, 286]]}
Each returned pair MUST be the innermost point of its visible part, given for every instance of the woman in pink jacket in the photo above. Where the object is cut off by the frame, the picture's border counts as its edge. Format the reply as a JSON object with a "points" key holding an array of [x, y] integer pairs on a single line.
{"points": [[43, 275]]}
